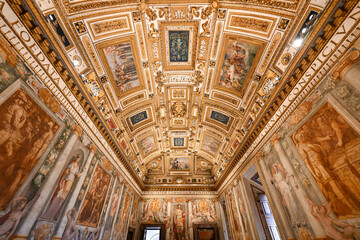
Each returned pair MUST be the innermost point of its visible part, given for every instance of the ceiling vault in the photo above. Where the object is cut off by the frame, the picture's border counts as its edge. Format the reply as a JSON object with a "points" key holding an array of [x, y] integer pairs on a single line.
{"points": [[179, 96]]}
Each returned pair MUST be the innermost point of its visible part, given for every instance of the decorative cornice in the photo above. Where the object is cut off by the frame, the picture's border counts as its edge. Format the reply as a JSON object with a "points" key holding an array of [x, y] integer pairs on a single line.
{"points": [[178, 188], [300, 64]]}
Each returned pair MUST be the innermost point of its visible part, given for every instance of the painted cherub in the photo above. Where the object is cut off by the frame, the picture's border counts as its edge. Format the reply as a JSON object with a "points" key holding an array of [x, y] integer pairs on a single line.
{"points": [[19, 208], [331, 225]]}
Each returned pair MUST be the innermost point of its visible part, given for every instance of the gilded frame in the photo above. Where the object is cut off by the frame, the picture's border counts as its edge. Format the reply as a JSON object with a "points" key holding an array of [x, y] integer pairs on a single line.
{"points": [[190, 26], [227, 37], [179, 170], [151, 152], [128, 39]]}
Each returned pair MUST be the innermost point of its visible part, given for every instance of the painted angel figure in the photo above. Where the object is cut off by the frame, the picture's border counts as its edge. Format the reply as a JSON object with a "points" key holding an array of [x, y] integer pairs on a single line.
{"points": [[19, 207], [332, 225]]}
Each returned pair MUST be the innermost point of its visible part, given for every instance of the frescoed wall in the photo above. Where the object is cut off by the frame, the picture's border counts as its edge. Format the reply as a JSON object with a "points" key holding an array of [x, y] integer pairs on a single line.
{"points": [[309, 169], [179, 214], [58, 185]]}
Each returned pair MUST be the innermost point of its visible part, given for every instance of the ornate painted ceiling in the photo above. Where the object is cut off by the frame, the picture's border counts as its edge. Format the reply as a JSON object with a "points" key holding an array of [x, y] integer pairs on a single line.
{"points": [[179, 88]]}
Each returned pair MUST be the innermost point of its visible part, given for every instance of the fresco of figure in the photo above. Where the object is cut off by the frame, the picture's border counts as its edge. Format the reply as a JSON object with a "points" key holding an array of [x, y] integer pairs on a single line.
{"points": [[334, 228], [91, 208], [179, 223], [281, 181], [63, 188], [24, 126], [19, 208], [328, 145]]}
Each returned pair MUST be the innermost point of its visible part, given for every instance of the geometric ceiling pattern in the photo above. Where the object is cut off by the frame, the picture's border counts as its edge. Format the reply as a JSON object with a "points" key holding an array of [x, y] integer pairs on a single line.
{"points": [[180, 87]]}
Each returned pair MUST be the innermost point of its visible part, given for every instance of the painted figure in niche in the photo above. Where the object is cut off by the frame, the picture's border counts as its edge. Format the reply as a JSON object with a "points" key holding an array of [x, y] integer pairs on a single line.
{"points": [[124, 215], [237, 228], [120, 227], [19, 208], [281, 181], [71, 232], [334, 228], [95, 197], [179, 223], [24, 125], [115, 200], [113, 206], [63, 188], [330, 148]]}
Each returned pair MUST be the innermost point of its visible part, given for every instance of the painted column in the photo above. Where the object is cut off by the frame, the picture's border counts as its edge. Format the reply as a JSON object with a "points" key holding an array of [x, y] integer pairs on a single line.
{"points": [[109, 207], [48, 186], [283, 224], [168, 200], [297, 187], [223, 222], [245, 211], [76, 190], [191, 230], [118, 208], [236, 197]]}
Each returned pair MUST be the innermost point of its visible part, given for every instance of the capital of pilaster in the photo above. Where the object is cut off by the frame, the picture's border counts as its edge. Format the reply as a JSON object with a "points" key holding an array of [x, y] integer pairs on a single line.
{"points": [[77, 130], [259, 156], [93, 147], [275, 138]]}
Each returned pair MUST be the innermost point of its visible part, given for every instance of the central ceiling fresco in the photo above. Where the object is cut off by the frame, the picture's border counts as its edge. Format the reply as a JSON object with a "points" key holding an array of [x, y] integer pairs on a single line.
{"points": [[181, 86]]}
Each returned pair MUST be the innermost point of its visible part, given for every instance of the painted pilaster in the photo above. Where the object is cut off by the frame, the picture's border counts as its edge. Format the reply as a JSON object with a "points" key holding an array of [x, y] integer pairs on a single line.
{"points": [[283, 223], [191, 230], [118, 208], [297, 187], [245, 211], [46, 190], [236, 197], [76, 190]]}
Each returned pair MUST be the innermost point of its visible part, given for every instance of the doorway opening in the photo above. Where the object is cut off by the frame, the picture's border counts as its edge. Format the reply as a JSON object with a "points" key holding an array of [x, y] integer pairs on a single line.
{"points": [[153, 232], [260, 207]]}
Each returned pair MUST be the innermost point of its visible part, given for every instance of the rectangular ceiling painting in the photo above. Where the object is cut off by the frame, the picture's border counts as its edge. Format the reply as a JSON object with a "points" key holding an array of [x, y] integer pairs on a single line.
{"points": [[237, 62], [147, 145], [122, 64], [210, 145], [179, 46]]}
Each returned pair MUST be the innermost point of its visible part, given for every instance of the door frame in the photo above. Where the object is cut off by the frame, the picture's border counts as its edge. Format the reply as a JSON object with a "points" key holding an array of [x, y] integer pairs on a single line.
{"points": [[162, 230], [197, 227]]}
